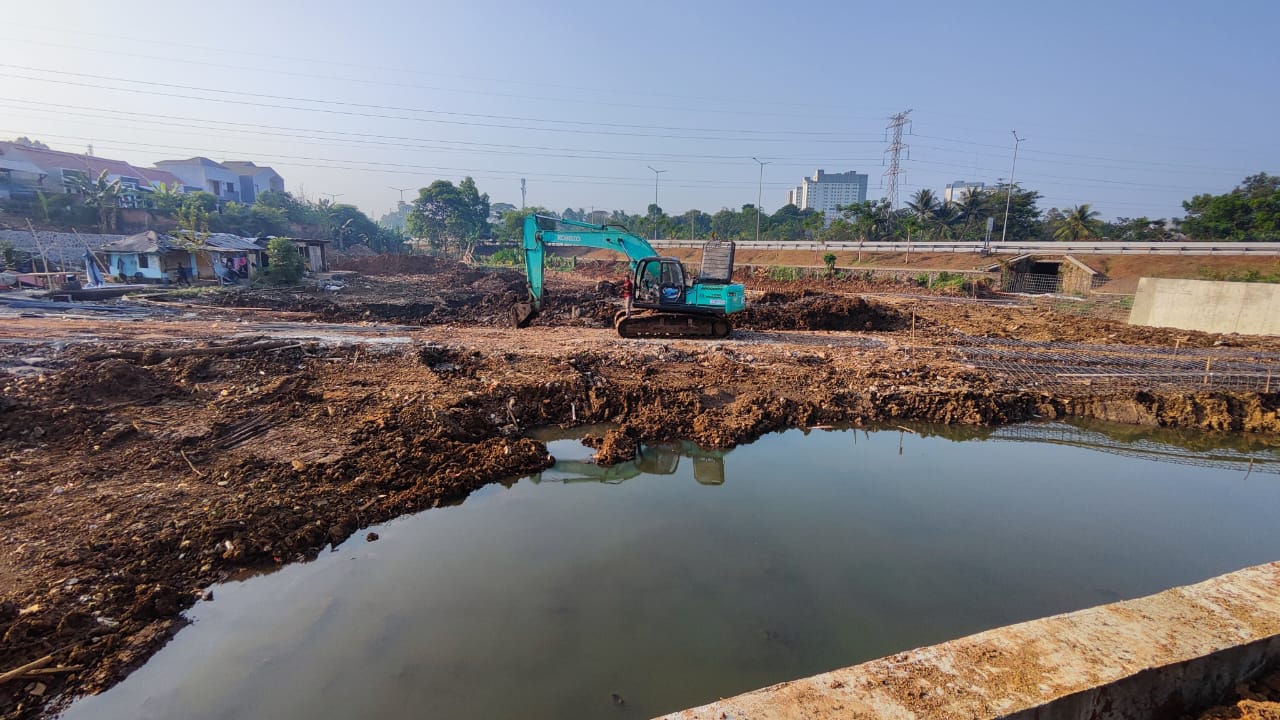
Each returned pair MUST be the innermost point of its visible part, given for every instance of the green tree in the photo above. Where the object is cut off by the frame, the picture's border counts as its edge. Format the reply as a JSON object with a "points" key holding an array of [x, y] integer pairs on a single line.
{"points": [[1251, 211], [829, 260], [1078, 223], [192, 233], [284, 262], [871, 220], [100, 195], [813, 224], [924, 206], [165, 200], [444, 214]]}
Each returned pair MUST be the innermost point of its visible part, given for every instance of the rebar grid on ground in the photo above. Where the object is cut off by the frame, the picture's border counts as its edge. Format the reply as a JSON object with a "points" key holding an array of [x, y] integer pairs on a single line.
{"points": [[1070, 367]]}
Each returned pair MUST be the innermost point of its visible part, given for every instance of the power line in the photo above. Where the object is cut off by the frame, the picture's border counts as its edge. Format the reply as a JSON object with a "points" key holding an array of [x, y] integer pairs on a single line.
{"points": [[414, 119], [188, 123], [116, 39], [593, 100], [395, 108]]}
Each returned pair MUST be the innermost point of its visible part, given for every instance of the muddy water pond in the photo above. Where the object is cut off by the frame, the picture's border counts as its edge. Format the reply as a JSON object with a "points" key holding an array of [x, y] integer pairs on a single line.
{"points": [[690, 575]]}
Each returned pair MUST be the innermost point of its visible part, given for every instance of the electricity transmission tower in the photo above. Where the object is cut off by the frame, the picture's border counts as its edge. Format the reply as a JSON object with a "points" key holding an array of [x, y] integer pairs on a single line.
{"points": [[896, 146]]}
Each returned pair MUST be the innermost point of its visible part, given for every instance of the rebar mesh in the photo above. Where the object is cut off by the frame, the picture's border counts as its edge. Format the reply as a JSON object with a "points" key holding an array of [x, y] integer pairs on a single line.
{"points": [[1067, 367]]}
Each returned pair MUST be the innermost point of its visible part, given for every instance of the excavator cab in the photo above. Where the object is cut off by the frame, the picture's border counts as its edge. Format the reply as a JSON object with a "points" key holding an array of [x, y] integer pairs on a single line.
{"points": [[659, 281]]}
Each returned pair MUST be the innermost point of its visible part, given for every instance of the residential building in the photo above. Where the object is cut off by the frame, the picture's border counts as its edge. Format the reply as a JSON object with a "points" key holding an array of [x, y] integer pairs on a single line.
{"points": [[146, 256], [254, 179], [954, 192], [826, 192], [151, 256], [26, 170], [207, 175]]}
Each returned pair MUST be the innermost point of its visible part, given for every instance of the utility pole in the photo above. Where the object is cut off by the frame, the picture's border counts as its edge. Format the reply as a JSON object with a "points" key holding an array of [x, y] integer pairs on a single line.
{"points": [[896, 146], [656, 173], [521, 194], [1008, 200], [759, 192], [332, 196], [402, 192]]}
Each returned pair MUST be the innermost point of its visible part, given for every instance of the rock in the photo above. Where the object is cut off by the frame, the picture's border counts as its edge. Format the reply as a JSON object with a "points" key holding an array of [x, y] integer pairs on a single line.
{"points": [[298, 465], [37, 689], [371, 537]]}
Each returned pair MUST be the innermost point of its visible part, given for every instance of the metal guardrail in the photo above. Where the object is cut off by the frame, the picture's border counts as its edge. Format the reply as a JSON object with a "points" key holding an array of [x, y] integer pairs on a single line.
{"points": [[1011, 248]]}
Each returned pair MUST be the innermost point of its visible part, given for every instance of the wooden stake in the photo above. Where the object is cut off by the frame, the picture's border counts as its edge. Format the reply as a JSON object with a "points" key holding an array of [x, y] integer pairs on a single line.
{"points": [[23, 670], [190, 464], [1207, 363], [1267, 389]]}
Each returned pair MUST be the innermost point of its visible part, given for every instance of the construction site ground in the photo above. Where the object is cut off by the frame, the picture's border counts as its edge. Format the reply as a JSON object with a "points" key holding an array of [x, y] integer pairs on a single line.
{"points": [[152, 448]]}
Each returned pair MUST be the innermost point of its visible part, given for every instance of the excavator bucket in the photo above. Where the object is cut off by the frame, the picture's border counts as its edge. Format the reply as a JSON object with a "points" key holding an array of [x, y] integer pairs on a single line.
{"points": [[522, 314]]}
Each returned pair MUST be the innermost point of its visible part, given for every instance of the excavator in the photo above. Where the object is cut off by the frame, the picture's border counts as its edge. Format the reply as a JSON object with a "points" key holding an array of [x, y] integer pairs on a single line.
{"points": [[668, 301]]}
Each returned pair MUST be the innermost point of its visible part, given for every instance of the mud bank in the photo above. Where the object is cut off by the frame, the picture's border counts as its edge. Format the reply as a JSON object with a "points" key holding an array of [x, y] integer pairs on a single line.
{"points": [[129, 487]]}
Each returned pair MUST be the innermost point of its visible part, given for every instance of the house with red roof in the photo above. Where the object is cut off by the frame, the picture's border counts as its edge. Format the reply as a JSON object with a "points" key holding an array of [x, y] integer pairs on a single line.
{"points": [[27, 169]]}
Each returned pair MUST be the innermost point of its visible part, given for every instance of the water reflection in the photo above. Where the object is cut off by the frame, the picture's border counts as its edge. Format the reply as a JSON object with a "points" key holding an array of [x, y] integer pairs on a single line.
{"points": [[658, 459]]}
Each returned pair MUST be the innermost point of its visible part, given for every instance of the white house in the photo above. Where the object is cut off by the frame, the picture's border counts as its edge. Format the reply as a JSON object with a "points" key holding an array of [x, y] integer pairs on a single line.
{"points": [[254, 179], [207, 175]]}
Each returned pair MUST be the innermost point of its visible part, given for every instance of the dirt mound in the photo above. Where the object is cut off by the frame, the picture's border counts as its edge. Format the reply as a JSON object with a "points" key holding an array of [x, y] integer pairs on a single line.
{"points": [[455, 293], [108, 381], [808, 310], [409, 265]]}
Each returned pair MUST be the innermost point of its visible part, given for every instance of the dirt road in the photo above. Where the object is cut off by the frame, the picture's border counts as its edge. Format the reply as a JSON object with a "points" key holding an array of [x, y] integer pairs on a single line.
{"points": [[145, 457]]}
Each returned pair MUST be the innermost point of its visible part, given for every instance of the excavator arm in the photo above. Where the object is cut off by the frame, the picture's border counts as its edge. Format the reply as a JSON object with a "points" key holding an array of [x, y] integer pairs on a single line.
{"points": [[540, 231]]}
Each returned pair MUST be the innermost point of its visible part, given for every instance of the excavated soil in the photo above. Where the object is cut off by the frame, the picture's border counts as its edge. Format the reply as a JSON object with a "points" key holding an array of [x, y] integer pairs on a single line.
{"points": [[1257, 700], [136, 472]]}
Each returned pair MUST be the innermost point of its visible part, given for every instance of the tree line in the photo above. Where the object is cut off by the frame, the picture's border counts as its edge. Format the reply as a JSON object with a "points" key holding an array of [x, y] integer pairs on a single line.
{"points": [[1250, 212]]}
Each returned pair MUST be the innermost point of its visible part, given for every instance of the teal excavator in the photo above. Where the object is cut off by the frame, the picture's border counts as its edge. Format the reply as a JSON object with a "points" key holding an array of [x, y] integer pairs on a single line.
{"points": [[668, 301]]}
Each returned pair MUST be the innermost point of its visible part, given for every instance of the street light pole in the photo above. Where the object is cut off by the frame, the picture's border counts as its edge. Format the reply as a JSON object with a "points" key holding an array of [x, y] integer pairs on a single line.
{"points": [[759, 193], [656, 173], [1008, 200]]}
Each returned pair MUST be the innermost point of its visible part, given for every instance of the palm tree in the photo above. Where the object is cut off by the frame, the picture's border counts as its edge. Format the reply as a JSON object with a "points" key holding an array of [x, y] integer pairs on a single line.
{"points": [[972, 205], [947, 221], [1078, 223]]}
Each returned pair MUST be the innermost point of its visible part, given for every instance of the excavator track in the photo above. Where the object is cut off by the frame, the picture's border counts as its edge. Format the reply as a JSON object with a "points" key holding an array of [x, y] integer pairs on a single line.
{"points": [[646, 324]]}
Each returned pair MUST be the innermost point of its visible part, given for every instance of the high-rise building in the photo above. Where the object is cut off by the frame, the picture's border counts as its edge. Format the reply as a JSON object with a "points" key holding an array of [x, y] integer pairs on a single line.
{"points": [[954, 192], [827, 191]]}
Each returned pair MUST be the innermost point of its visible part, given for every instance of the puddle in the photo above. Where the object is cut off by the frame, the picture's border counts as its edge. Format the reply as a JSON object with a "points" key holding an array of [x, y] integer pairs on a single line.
{"points": [[690, 575]]}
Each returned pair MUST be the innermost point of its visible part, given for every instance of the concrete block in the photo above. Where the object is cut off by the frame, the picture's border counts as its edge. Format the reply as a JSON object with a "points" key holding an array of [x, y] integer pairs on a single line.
{"points": [[1159, 656]]}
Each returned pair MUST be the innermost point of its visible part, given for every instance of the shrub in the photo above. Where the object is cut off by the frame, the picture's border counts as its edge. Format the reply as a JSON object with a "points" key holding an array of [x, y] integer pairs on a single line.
{"points": [[284, 262]]}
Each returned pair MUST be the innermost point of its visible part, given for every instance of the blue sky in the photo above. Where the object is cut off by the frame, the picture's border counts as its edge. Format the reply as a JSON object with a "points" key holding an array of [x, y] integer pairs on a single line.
{"points": [[1130, 106]]}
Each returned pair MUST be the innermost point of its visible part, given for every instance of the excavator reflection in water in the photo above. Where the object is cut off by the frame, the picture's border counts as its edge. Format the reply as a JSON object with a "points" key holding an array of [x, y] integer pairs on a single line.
{"points": [[659, 459]]}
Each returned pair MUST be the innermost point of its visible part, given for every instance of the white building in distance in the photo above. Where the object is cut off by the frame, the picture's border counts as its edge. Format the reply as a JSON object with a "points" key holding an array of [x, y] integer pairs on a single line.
{"points": [[954, 192], [827, 191]]}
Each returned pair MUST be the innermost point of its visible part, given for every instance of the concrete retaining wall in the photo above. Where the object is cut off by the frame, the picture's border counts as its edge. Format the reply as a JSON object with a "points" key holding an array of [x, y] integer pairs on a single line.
{"points": [[1161, 656], [1220, 307]]}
